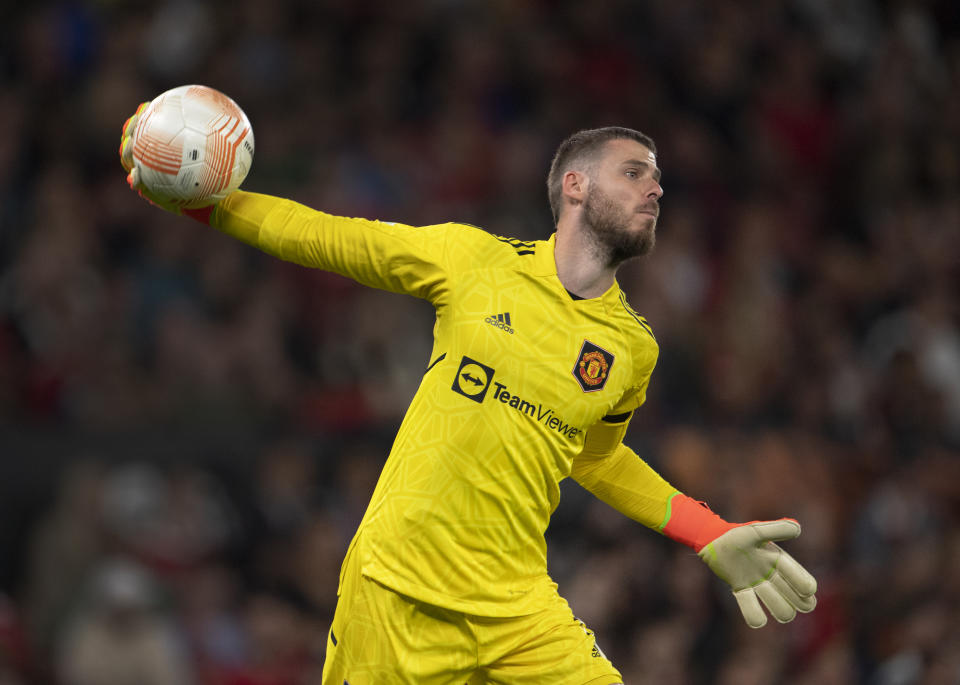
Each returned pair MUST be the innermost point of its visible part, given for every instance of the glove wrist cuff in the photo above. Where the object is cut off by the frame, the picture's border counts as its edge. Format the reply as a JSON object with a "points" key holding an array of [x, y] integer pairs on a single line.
{"points": [[692, 523]]}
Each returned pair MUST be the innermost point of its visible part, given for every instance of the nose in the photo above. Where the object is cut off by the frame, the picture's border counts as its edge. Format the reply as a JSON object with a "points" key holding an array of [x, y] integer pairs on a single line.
{"points": [[656, 191]]}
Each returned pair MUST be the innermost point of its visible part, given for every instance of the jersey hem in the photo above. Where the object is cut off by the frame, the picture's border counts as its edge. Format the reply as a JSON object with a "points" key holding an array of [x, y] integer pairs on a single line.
{"points": [[606, 680]]}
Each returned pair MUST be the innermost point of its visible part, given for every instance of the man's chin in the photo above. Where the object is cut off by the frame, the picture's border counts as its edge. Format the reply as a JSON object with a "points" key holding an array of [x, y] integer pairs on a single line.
{"points": [[638, 246], [645, 246], [646, 237]]}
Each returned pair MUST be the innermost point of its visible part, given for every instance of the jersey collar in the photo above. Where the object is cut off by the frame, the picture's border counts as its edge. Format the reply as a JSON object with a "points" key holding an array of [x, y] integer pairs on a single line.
{"points": [[544, 264]]}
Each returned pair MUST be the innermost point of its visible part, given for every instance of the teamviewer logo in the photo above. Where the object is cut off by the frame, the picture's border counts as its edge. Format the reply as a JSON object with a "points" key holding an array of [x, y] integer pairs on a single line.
{"points": [[472, 379]]}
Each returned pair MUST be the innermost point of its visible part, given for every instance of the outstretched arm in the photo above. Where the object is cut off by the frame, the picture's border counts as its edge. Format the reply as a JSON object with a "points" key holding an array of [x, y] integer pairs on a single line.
{"points": [[744, 555], [390, 256]]}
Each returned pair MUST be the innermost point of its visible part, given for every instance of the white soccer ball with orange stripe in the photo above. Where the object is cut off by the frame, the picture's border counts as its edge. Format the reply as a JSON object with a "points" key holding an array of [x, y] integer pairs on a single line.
{"points": [[192, 146]]}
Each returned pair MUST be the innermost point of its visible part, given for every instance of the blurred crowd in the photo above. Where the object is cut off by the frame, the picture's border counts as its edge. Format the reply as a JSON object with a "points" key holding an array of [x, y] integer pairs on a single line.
{"points": [[803, 292]]}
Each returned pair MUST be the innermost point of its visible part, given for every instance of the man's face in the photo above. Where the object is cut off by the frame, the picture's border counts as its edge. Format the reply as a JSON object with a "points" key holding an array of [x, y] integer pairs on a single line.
{"points": [[622, 202]]}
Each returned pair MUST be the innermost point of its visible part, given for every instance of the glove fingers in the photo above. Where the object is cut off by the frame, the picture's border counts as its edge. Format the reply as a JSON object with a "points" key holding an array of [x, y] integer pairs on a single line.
{"points": [[126, 153], [750, 608], [787, 591], [126, 137], [776, 603], [131, 121], [796, 575], [782, 529]]}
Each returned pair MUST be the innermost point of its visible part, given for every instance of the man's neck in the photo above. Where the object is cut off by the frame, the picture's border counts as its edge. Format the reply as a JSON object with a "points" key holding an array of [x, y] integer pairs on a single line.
{"points": [[579, 268]]}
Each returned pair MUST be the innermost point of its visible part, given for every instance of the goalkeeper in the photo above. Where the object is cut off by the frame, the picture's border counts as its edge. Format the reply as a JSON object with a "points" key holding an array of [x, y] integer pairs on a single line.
{"points": [[538, 364]]}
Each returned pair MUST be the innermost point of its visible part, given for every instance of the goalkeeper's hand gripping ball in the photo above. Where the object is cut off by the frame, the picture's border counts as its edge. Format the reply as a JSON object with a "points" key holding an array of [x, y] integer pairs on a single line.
{"points": [[133, 171], [187, 149]]}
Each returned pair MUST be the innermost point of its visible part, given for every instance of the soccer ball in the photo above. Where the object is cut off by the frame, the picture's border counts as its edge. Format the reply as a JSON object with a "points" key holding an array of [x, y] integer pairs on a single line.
{"points": [[192, 146]]}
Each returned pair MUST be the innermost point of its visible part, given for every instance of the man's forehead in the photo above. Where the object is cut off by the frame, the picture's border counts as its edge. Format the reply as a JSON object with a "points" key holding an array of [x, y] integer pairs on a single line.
{"points": [[631, 149]]}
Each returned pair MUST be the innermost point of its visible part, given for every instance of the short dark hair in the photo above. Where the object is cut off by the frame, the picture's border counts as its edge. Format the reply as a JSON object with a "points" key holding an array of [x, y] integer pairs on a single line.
{"points": [[583, 146]]}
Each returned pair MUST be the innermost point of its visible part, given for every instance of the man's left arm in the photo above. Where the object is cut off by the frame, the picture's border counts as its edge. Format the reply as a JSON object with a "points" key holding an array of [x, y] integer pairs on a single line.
{"points": [[745, 555], [616, 475]]}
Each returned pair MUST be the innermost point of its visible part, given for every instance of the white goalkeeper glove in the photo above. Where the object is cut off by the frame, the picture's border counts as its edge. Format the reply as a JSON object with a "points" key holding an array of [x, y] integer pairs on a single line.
{"points": [[759, 571], [747, 557]]}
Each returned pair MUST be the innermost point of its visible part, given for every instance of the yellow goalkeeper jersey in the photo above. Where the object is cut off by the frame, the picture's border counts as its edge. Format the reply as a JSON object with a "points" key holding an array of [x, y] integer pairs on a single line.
{"points": [[520, 371]]}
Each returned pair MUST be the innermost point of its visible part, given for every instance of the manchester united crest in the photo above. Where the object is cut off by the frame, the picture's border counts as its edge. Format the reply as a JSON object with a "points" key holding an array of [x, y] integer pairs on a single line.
{"points": [[592, 367]]}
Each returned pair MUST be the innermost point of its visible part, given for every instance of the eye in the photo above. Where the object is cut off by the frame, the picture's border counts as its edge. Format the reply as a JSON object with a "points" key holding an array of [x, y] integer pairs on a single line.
{"points": [[632, 174]]}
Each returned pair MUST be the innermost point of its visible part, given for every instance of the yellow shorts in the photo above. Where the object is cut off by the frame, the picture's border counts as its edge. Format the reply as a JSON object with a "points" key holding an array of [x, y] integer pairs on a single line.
{"points": [[380, 637]]}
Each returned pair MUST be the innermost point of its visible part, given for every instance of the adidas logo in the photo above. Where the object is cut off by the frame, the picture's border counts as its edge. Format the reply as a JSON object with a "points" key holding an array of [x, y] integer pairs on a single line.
{"points": [[501, 321]]}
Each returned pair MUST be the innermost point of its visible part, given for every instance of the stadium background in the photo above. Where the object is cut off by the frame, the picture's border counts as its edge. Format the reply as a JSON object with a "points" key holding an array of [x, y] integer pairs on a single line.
{"points": [[189, 430]]}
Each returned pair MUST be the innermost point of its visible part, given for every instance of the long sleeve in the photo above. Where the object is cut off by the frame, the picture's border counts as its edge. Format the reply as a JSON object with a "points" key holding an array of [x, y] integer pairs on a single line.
{"points": [[390, 256], [616, 475]]}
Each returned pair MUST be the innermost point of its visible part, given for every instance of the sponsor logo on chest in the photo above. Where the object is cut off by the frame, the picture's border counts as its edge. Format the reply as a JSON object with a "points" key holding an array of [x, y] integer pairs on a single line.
{"points": [[474, 379]]}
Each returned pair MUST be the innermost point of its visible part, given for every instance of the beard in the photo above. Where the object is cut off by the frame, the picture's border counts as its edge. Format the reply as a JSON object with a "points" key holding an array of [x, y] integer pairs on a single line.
{"points": [[608, 224]]}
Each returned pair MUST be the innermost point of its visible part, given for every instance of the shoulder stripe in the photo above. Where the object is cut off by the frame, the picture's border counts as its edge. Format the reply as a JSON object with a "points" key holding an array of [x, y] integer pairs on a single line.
{"points": [[520, 246], [639, 319], [514, 241]]}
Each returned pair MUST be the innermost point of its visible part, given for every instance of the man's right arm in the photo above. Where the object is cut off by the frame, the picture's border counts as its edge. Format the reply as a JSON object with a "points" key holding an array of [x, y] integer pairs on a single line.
{"points": [[394, 257], [385, 255]]}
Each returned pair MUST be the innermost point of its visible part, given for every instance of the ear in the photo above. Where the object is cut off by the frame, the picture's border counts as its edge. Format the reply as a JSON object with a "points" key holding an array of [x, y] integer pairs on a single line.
{"points": [[574, 187]]}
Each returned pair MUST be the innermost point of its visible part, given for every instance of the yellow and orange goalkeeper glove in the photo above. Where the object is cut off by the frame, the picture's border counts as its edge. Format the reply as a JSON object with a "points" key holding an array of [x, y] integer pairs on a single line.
{"points": [[133, 174], [746, 556]]}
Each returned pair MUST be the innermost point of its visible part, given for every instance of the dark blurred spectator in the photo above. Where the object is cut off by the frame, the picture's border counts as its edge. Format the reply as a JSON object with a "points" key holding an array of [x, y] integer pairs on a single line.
{"points": [[170, 522], [121, 634], [209, 599], [67, 544], [285, 643], [17, 665]]}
